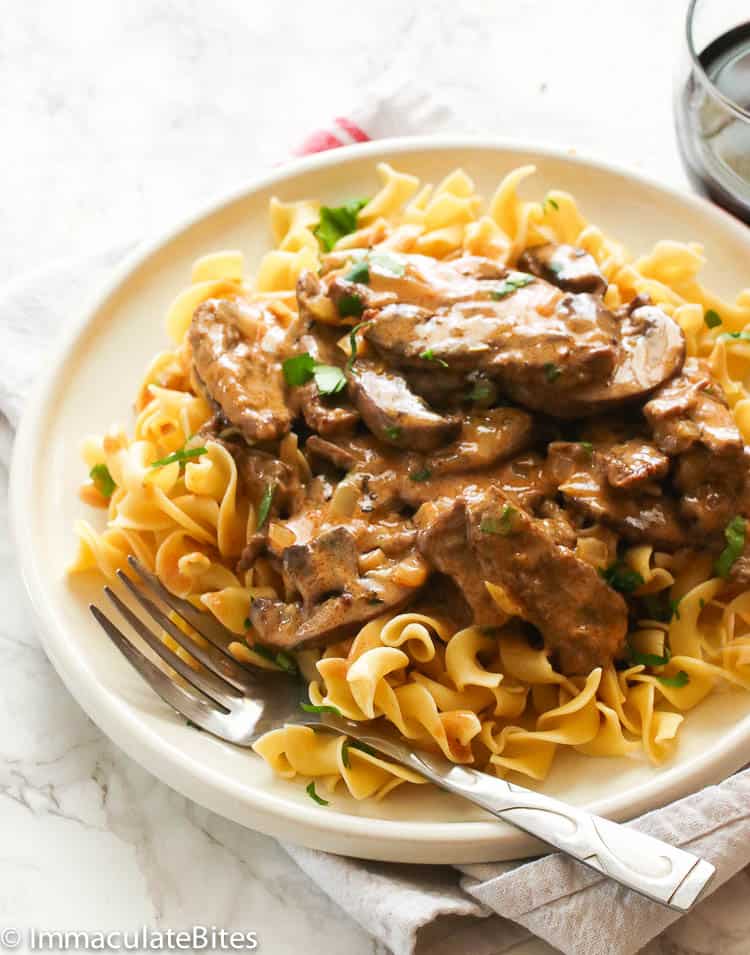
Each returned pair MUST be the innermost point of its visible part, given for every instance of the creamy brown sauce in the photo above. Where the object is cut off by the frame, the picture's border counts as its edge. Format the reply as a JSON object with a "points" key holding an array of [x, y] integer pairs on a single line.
{"points": [[489, 421]]}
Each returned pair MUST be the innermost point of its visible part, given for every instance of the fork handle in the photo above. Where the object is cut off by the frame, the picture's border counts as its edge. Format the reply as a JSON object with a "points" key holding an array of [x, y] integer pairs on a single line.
{"points": [[647, 865]]}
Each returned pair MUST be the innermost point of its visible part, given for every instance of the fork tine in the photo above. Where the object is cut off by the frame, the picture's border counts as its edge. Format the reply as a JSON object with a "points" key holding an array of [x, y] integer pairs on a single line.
{"points": [[211, 659], [197, 708], [202, 623], [217, 689]]}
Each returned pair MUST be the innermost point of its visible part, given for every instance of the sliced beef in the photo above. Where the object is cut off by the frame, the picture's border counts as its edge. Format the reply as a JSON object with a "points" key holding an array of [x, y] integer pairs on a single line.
{"points": [[233, 366], [691, 409], [580, 474], [289, 626], [711, 487], [690, 419], [328, 416], [566, 266], [484, 440], [323, 567], [530, 339], [582, 620], [445, 545], [395, 414], [633, 463]]}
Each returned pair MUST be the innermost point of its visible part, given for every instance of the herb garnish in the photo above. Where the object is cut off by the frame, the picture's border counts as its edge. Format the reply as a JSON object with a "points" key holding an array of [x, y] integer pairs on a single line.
{"points": [[659, 609], [737, 336], [650, 659], [359, 272], [330, 379], [103, 480], [621, 577], [337, 221], [350, 306], [264, 508], [712, 318], [548, 201], [394, 433], [678, 680], [588, 447], [283, 660], [734, 534], [181, 456], [388, 263], [298, 370], [353, 345], [310, 790], [323, 708], [502, 525], [481, 391], [429, 355], [354, 744], [515, 281], [551, 371], [424, 474]]}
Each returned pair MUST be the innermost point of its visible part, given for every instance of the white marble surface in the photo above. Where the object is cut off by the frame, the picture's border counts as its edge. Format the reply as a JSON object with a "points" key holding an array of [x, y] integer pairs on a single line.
{"points": [[117, 116]]}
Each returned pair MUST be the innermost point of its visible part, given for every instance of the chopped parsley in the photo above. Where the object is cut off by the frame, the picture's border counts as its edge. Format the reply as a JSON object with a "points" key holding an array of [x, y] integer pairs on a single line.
{"points": [[734, 534], [481, 391], [660, 607], [650, 659], [330, 379], [323, 708], [549, 201], [551, 371], [737, 336], [387, 263], [394, 433], [284, 661], [103, 480], [350, 306], [359, 272], [337, 221], [310, 790], [424, 474], [264, 508], [712, 318], [354, 744], [680, 679], [181, 456], [515, 281], [298, 370], [429, 355], [502, 525], [588, 447], [353, 345], [621, 577]]}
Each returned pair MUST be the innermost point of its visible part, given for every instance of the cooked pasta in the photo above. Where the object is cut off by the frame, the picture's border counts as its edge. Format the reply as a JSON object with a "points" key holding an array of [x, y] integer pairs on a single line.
{"points": [[486, 696]]}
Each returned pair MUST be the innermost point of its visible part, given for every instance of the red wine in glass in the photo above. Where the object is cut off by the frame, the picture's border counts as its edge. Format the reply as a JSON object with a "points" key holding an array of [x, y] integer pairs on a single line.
{"points": [[712, 116]]}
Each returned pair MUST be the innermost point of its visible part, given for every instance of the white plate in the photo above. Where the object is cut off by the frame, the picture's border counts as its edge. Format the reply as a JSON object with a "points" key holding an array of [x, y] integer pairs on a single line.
{"points": [[92, 384]]}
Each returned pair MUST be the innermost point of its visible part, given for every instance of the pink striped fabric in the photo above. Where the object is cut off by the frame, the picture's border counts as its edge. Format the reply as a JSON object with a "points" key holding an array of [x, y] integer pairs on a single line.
{"points": [[341, 132]]}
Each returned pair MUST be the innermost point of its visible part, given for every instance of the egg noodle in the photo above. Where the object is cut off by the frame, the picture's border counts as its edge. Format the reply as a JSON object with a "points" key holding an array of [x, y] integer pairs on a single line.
{"points": [[480, 698]]}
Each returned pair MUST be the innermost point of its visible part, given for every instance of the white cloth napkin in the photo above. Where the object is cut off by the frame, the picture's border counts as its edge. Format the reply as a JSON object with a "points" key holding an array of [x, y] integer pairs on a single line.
{"points": [[476, 909]]}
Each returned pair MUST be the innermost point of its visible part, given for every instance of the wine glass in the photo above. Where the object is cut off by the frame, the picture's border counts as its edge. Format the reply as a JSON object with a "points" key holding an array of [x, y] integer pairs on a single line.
{"points": [[712, 102]]}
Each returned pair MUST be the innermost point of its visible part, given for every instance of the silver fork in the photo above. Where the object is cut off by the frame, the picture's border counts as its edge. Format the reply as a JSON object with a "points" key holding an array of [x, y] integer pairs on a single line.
{"points": [[238, 704]]}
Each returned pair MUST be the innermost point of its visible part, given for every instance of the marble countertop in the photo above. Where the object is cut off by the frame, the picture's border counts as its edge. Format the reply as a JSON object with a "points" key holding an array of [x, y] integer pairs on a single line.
{"points": [[116, 118]]}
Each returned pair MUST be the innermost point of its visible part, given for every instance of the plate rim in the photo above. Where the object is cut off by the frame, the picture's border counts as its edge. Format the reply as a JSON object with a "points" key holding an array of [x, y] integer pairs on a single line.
{"points": [[126, 726]]}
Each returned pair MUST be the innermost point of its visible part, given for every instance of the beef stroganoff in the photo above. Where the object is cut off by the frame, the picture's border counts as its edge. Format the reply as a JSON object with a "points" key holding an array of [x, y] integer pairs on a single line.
{"points": [[471, 471]]}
